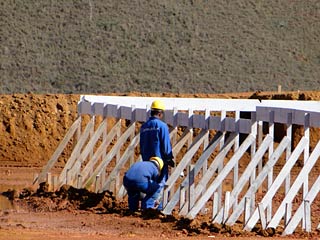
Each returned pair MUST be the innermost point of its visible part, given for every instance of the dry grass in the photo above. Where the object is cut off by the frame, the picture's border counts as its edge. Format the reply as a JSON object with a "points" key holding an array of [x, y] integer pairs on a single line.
{"points": [[159, 46]]}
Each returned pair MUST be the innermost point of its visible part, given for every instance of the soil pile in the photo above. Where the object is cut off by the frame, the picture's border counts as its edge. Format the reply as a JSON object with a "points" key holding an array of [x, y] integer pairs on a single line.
{"points": [[67, 198]]}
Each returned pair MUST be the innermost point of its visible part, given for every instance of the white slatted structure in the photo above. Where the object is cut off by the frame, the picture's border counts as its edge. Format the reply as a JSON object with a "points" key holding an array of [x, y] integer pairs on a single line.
{"points": [[209, 152]]}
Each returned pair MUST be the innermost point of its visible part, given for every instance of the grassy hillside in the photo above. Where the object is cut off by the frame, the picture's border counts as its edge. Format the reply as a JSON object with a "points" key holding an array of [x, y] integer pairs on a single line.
{"points": [[102, 46]]}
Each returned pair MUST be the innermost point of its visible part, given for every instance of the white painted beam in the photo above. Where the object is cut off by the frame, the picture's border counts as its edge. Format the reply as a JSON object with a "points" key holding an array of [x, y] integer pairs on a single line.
{"points": [[213, 104], [180, 103]]}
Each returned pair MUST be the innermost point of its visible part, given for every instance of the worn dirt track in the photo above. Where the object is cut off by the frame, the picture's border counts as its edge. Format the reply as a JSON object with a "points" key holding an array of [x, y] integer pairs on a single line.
{"points": [[31, 127]]}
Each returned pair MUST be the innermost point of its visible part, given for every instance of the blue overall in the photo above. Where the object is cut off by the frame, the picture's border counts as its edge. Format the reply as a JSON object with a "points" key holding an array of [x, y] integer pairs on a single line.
{"points": [[155, 142], [142, 177]]}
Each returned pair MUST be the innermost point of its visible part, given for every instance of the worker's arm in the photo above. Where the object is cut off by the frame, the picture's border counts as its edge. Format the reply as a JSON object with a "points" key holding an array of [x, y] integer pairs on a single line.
{"points": [[166, 148]]}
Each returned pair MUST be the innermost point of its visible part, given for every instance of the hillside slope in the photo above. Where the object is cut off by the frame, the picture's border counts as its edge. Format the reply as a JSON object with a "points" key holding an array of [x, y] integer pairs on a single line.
{"points": [[104, 46]]}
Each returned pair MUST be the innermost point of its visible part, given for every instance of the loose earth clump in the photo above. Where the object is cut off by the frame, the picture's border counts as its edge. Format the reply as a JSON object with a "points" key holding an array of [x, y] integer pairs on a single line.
{"points": [[69, 198]]}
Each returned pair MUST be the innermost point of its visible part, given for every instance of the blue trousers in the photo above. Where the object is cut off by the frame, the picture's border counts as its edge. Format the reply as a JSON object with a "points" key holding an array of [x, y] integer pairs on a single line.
{"points": [[134, 190], [163, 179]]}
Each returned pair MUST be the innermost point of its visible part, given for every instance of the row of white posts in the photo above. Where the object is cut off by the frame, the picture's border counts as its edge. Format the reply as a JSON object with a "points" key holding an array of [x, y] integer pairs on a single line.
{"points": [[210, 152]]}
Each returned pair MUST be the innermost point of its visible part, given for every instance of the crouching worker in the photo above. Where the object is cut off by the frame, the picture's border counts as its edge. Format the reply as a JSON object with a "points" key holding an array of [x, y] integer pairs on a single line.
{"points": [[142, 179]]}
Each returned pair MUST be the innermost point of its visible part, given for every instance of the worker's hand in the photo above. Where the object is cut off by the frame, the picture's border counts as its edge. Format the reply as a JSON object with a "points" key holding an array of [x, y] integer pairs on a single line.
{"points": [[171, 163], [156, 204]]}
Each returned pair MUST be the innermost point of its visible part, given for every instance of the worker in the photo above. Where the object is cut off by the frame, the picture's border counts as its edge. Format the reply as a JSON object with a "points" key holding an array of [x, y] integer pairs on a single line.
{"points": [[142, 180], [155, 141]]}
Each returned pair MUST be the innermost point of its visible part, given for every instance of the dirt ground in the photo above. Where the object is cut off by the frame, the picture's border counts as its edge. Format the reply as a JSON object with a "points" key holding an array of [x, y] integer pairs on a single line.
{"points": [[31, 127]]}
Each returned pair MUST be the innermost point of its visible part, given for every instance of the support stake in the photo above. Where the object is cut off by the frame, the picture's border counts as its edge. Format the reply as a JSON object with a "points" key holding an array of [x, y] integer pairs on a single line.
{"points": [[262, 216]]}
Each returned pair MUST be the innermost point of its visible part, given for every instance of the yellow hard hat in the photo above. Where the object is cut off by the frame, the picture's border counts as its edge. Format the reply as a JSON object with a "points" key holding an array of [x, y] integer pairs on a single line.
{"points": [[157, 105], [158, 161]]}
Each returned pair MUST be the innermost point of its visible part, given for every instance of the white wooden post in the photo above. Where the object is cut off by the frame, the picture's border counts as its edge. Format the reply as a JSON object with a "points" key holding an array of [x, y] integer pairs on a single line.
{"points": [[305, 159], [235, 147], [67, 177], [165, 195], [252, 153], [262, 216], [306, 150], [270, 174], [307, 215], [189, 143], [91, 135], [247, 210], [97, 184], [55, 182], [205, 145], [174, 138], [118, 154], [222, 124], [226, 207], [288, 153], [260, 136], [190, 113], [49, 181], [133, 119], [79, 181], [190, 187], [206, 142], [220, 167], [182, 196], [104, 153], [288, 178], [215, 204], [287, 215]]}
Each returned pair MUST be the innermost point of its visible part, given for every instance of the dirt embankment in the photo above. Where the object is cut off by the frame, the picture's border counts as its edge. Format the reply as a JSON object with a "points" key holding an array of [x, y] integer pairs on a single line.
{"points": [[32, 125]]}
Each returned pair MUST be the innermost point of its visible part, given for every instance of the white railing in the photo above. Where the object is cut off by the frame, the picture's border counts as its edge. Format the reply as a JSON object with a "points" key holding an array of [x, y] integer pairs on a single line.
{"points": [[204, 161], [200, 104]]}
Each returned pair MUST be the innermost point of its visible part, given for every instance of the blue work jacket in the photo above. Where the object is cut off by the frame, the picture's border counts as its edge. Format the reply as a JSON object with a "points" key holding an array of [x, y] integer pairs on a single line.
{"points": [[142, 172], [155, 140]]}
